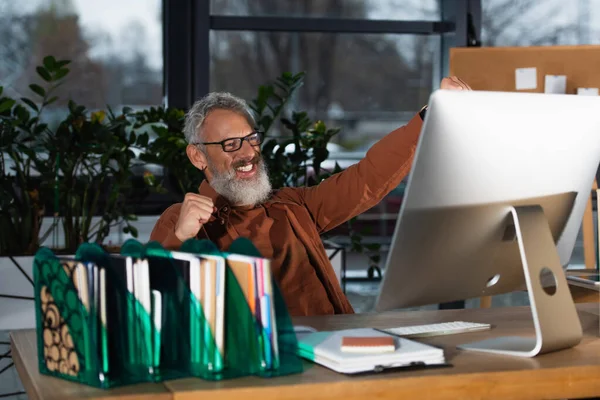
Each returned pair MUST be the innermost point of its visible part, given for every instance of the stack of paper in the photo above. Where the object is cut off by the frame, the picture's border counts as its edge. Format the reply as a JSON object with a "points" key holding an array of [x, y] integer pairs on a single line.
{"points": [[325, 348]]}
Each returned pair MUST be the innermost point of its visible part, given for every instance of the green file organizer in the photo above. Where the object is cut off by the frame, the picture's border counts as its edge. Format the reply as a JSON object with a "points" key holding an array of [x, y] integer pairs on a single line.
{"points": [[74, 342]]}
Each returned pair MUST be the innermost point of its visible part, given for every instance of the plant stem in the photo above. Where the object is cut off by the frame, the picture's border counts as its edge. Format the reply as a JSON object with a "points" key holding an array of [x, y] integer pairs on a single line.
{"points": [[98, 232], [26, 222], [110, 204], [87, 218]]}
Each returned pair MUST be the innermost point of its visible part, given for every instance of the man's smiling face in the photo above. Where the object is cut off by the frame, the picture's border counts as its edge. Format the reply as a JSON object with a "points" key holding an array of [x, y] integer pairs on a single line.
{"points": [[239, 175]]}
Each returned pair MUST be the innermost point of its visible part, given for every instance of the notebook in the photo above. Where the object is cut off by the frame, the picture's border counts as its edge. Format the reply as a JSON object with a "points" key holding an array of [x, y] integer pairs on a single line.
{"points": [[325, 348]]}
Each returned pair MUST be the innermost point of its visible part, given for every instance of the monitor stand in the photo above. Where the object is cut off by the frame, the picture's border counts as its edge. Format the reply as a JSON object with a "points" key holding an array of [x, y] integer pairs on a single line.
{"points": [[555, 318]]}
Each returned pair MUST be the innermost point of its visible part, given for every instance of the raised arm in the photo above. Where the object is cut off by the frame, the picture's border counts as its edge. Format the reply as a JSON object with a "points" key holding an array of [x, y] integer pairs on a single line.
{"points": [[362, 185]]}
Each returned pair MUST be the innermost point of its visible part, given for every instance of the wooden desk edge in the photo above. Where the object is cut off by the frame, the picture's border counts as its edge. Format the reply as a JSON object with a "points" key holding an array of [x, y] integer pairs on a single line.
{"points": [[560, 382], [30, 386], [33, 389], [570, 382]]}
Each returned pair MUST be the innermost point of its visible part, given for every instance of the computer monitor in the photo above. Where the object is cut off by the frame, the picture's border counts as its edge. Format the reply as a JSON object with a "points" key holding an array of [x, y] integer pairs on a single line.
{"points": [[494, 201]]}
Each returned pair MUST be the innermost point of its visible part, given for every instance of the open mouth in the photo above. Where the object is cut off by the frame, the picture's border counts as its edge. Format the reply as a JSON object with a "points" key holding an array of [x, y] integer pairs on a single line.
{"points": [[246, 170]]}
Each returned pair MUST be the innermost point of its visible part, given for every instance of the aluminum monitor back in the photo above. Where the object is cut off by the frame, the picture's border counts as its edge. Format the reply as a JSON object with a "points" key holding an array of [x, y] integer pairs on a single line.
{"points": [[479, 154]]}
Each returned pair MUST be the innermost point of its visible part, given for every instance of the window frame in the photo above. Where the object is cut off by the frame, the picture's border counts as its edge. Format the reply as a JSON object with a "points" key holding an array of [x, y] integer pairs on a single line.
{"points": [[187, 25]]}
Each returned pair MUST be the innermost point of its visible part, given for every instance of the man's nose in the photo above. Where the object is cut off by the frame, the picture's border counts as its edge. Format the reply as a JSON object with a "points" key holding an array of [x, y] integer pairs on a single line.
{"points": [[248, 149]]}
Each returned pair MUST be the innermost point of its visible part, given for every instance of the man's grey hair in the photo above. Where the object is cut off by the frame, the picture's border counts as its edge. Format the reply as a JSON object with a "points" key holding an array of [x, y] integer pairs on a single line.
{"points": [[195, 117]]}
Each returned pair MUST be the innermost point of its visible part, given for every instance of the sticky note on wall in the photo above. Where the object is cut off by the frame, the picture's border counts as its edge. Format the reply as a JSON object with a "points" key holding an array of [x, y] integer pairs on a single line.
{"points": [[555, 84], [587, 91], [526, 78]]}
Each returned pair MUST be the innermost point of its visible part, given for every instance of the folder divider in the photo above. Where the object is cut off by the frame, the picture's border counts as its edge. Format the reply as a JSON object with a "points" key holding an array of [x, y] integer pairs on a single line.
{"points": [[72, 342], [129, 339], [109, 320], [286, 342], [166, 339]]}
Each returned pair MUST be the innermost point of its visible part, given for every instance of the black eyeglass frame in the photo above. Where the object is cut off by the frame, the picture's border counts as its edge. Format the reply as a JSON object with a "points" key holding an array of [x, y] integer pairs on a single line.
{"points": [[260, 135]]}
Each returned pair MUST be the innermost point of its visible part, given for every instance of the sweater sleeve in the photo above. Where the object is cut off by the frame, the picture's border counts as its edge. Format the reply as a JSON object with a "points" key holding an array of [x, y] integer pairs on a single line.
{"points": [[164, 230], [363, 185]]}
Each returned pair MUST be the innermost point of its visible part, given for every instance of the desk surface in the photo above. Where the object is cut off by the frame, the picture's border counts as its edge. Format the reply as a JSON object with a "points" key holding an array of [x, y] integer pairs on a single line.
{"points": [[571, 373]]}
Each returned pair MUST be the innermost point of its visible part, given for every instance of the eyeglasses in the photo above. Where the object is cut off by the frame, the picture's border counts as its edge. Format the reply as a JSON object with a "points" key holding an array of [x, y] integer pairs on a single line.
{"points": [[234, 144]]}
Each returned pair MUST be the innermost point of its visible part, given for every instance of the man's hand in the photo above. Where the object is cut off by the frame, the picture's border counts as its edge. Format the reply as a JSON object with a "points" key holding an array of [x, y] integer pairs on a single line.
{"points": [[195, 212], [454, 83]]}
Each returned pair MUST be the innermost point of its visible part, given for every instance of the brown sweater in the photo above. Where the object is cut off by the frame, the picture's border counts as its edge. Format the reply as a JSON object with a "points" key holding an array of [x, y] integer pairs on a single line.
{"points": [[287, 227]]}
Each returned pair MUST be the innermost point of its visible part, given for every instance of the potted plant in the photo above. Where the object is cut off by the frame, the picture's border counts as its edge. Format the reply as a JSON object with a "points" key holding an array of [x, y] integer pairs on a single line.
{"points": [[77, 172]]}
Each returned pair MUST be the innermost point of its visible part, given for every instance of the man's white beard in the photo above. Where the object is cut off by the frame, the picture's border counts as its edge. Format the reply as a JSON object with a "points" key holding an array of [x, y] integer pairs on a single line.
{"points": [[242, 192]]}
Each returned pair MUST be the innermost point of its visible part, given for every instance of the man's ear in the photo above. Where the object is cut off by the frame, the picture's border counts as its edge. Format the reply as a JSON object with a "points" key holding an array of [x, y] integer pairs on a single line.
{"points": [[196, 157]]}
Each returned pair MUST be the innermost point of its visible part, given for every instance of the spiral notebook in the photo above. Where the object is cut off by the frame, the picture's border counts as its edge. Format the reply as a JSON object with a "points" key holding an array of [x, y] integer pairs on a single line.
{"points": [[325, 348]]}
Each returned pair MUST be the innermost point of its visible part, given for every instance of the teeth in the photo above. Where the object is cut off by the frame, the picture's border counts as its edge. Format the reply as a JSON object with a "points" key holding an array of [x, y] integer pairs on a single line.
{"points": [[245, 168]]}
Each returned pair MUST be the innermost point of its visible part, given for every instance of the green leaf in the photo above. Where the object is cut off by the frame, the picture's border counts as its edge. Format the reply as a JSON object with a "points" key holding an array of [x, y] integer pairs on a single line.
{"points": [[61, 73], [38, 89], [51, 100], [22, 113], [43, 72], [49, 63], [143, 139], [134, 231], [6, 104], [62, 63], [71, 104], [1, 90], [30, 103], [39, 129], [160, 130]]}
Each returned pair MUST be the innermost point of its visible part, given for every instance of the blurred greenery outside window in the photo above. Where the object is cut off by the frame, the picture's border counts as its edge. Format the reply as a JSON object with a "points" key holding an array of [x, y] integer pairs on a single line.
{"points": [[115, 48]]}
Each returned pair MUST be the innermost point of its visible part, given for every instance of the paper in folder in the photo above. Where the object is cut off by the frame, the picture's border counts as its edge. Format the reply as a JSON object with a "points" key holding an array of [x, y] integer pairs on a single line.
{"points": [[253, 274]]}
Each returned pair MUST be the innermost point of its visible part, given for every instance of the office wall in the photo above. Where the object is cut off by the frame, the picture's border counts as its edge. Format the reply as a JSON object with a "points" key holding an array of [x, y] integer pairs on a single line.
{"points": [[493, 68]]}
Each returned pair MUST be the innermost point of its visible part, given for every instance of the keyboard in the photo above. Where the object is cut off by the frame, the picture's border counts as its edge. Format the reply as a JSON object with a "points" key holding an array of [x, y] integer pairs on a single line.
{"points": [[439, 329]]}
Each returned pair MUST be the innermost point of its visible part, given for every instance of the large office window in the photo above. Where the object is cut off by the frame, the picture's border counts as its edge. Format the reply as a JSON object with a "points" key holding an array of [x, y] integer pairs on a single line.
{"points": [[351, 79], [115, 47], [365, 60], [540, 22]]}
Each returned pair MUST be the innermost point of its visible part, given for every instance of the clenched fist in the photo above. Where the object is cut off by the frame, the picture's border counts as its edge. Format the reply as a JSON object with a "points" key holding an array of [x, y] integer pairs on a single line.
{"points": [[454, 83], [195, 211]]}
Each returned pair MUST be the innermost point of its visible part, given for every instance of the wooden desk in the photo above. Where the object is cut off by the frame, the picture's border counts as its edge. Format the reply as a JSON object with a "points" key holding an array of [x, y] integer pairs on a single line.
{"points": [[572, 373]]}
